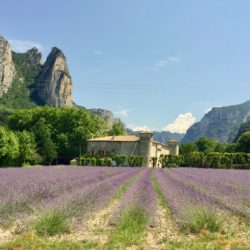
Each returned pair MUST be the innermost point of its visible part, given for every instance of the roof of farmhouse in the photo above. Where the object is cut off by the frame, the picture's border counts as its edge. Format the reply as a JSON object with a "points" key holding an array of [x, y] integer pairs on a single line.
{"points": [[117, 138]]}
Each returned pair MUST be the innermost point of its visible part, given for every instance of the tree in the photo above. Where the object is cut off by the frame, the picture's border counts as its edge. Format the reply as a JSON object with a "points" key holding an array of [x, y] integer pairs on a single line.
{"points": [[188, 148], [244, 142], [117, 129], [206, 145], [68, 129], [46, 147], [9, 147], [245, 127], [27, 152]]}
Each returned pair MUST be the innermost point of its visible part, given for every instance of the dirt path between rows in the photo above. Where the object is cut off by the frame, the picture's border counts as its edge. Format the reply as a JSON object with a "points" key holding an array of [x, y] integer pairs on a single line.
{"points": [[95, 229], [162, 231]]}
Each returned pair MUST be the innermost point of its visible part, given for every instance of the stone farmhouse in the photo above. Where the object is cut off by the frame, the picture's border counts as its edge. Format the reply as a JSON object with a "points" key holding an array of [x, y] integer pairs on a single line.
{"points": [[142, 145]]}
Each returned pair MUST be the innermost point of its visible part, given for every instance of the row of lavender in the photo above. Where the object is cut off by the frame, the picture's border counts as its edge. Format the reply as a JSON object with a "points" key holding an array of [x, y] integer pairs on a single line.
{"points": [[77, 190], [187, 188], [84, 190]]}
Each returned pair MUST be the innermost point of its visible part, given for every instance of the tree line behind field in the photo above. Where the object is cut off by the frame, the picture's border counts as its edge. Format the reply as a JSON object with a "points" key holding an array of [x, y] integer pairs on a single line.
{"points": [[47, 136], [209, 153]]}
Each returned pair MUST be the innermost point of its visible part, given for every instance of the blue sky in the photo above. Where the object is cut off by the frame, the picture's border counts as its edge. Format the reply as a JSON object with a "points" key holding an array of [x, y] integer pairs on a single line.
{"points": [[157, 64]]}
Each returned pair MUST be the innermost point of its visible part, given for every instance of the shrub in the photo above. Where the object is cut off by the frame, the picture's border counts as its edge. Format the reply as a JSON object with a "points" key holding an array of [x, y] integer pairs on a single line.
{"points": [[154, 161], [73, 162], [129, 229], [108, 161], [52, 223], [201, 219]]}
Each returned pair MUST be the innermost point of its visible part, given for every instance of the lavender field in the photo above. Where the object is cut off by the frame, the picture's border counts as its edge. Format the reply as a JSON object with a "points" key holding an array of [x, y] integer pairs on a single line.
{"points": [[117, 208]]}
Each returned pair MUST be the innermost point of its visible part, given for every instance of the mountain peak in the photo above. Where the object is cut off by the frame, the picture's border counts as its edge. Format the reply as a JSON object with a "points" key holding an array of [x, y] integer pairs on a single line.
{"points": [[34, 56], [221, 123], [7, 68], [54, 84]]}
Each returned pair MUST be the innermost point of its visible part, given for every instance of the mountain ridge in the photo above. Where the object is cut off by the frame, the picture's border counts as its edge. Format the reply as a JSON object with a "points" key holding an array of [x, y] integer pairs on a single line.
{"points": [[221, 123]]}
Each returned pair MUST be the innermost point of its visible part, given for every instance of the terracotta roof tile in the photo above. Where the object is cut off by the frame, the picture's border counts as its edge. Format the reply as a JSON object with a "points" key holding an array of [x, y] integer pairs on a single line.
{"points": [[126, 138]]}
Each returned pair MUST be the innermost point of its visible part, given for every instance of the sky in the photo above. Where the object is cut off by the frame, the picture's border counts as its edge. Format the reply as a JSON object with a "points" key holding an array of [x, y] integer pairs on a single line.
{"points": [[156, 64]]}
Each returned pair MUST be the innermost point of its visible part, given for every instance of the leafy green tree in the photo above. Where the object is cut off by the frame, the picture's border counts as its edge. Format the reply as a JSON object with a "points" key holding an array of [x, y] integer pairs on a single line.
{"points": [[245, 127], [46, 147], [188, 148], [117, 129], [9, 147], [69, 129], [244, 142], [206, 145], [195, 159], [27, 154]]}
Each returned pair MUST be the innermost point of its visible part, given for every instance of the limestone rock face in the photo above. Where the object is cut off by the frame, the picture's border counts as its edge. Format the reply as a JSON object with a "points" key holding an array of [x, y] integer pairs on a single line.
{"points": [[54, 84], [7, 68], [106, 115], [221, 124], [34, 57]]}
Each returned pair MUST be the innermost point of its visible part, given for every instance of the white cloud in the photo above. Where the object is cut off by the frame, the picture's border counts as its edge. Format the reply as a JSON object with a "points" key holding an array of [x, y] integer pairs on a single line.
{"points": [[23, 46], [167, 61], [138, 128], [98, 52], [181, 123], [123, 112]]}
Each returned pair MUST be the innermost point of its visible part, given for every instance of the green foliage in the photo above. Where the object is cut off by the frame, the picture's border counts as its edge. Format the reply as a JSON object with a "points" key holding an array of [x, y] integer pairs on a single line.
{"points": [[245, 127], [158, 191], [201, 219], [34, 242], [45, 146], [218, 160], [206, 145], [27, 148], [121, 160], [244, 142], [123, 188], [133, 161], [188, 148], [52, 223], [24, 69], [154, 161], [129, 229], [171, 160], [9, 147], [17, 97], [59, 132], [117, 129]]}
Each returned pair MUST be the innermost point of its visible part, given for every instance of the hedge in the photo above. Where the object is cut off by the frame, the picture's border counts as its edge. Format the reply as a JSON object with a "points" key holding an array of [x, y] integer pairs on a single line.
{"points": [[119, 160]]}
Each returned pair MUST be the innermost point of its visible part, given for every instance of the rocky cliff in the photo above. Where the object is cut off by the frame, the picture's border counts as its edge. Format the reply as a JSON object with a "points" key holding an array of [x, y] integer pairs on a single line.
{"points": [[221, 124], [106, 115], [7, 68], [34, 57], [53, 84]]}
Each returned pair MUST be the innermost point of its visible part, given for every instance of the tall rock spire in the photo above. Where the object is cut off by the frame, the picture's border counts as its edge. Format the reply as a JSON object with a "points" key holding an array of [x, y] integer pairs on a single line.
{"points": [[54, 83], [7, 68]]}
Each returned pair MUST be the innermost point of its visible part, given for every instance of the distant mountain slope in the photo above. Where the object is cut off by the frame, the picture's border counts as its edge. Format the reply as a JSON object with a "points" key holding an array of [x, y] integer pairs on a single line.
{"points": [[161, 136], [221, 124], [244, 127]]}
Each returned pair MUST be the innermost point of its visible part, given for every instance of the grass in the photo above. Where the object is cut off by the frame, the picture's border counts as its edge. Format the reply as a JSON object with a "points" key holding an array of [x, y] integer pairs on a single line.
{"points": [[31, 241], [52, 223], [158, 191], [128, 230], [201, 219], [123, 189]]}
